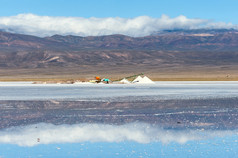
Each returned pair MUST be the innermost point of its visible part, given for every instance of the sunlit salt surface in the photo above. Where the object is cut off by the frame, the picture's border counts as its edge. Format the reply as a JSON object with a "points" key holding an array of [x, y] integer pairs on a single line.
{"points": [[104, 92]]}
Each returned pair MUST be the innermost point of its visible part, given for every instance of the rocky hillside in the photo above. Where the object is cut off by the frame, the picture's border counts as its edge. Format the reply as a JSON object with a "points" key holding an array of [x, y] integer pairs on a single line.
{"points": [[200, 40], [171, 49]]}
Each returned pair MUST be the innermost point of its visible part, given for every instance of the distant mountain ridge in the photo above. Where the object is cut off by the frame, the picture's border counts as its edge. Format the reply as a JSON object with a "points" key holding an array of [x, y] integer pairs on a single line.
{"points": [[167, 49], [167, 40]]}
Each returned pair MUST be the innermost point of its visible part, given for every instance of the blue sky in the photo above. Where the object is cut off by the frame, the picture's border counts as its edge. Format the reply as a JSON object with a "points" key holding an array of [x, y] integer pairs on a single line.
{"points": [[128, 17], [218, 10]]}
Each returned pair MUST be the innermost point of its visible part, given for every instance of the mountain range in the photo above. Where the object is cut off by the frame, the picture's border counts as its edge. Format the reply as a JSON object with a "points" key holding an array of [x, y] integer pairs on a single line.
{"points": [[175, 52]]}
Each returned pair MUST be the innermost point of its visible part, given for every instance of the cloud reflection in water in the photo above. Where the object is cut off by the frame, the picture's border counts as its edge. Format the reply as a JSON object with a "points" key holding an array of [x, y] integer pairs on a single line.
{"points": [[43, 133]]}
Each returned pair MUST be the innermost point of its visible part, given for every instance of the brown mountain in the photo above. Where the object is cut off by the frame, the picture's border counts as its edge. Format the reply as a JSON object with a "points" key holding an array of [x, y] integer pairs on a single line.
{"points": [[168, 52]]}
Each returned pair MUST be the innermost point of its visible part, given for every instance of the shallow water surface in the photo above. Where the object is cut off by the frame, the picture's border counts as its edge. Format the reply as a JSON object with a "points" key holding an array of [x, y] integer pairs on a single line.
{"points": [[166, 119]]}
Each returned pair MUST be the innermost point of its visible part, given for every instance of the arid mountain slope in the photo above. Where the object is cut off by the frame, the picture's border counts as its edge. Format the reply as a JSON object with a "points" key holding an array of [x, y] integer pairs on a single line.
{"points": [[164, 51], [173, 40]]}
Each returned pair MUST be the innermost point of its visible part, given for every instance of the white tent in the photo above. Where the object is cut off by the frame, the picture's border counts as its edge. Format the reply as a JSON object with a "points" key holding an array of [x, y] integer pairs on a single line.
{"points": [[125, 81]]}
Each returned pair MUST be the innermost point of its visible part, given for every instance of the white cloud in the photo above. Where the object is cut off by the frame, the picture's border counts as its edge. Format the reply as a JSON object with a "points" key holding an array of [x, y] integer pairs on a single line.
{"points": [[138, 26], [138, 132]]}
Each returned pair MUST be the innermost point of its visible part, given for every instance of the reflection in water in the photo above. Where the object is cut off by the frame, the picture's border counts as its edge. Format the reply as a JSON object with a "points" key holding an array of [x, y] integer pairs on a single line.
{"points": [[137, 132], [188, 120], [169, 114]]}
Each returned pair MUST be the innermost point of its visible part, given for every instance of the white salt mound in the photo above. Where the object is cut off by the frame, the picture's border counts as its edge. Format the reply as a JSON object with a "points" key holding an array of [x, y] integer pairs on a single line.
{"points": [[125, 81], [144, 80], [138, 79]]}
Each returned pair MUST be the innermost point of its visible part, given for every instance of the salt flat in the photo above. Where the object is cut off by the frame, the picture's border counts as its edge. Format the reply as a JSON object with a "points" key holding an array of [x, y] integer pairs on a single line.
{"points": [[109, 92], [165, 119]]}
